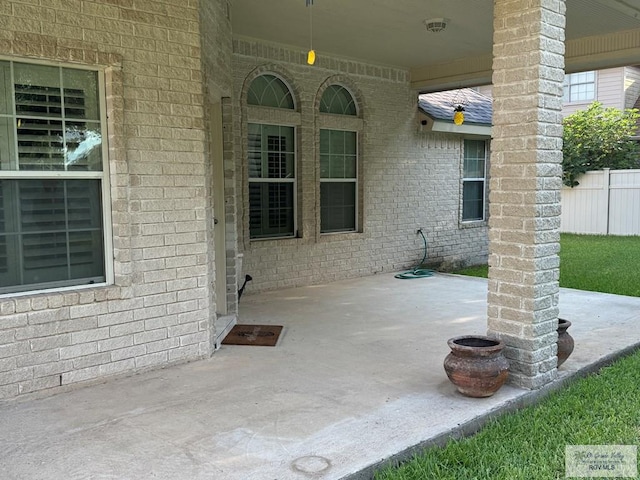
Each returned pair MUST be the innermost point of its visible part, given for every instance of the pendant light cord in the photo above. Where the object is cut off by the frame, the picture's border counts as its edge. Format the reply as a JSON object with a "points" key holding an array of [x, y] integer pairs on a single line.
{"points": [[310, 5]]}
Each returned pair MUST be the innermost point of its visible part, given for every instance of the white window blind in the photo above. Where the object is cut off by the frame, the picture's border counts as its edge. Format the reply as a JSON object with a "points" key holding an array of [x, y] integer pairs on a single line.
{"points": [[271, 181], [272, 157]]}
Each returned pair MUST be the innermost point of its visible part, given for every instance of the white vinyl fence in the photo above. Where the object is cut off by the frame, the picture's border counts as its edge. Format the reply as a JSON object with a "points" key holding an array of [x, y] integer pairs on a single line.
{"points": [[606, 202]]}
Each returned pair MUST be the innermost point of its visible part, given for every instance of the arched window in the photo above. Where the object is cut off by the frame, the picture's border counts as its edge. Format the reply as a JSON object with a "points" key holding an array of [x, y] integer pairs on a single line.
{"points": [[269, 91], [337, 99], [338, 165], [272, 163]]}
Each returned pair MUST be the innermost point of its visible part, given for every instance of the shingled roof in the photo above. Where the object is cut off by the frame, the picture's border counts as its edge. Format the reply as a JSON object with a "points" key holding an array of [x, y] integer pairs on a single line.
{"points": [[440, 105]]}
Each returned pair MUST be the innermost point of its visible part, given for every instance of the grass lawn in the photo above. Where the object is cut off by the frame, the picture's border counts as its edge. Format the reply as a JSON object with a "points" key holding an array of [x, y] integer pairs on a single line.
{"points": [[594, 262], [602, 409]]}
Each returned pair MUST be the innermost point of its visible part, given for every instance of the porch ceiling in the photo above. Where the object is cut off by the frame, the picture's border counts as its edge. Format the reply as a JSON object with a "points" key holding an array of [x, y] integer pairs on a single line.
{"points": [[600, 34]]}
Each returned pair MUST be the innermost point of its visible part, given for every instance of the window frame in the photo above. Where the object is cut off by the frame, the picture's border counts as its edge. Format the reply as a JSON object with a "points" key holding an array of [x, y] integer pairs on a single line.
{"points": [[103, 176], [283, 81], [483, 179], [344, 122], [570, 83], [271, 116], [340, 87], [354, 180], [264, 180]]}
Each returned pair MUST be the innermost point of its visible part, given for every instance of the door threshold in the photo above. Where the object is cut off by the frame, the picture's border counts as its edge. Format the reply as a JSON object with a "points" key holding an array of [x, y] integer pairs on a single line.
{"points": [[224, 324]]}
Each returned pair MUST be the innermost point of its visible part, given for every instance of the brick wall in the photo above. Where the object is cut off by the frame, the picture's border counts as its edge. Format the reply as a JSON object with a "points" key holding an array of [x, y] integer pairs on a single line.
{"points": [[409, 179], [159, 85], [159, 310]]}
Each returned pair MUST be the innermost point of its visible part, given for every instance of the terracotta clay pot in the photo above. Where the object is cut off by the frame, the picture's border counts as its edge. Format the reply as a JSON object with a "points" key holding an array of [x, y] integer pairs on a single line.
{"points": [[476, 365], [565, 341]]}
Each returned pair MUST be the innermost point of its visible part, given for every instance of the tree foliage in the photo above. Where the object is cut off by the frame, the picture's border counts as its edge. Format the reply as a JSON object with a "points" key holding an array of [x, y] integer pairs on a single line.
{"points": [[598, 138]]}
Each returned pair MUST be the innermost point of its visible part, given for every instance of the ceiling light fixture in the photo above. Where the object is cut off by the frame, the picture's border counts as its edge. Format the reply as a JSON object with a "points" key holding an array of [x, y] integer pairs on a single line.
{"points": [[311, 56], [436, 25]]}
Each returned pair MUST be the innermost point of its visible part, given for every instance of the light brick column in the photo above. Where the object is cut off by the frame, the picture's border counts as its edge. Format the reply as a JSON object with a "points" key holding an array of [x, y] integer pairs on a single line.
{"points": [[524, 236]]}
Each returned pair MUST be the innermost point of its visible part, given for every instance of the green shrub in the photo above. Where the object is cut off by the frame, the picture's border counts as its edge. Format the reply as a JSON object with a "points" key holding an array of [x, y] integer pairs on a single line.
{"points": [[598, 138]]}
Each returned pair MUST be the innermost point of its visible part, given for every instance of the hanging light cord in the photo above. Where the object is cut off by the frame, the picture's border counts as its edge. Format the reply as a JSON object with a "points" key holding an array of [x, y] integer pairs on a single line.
{"points": [[311, 55], [310, 4]]}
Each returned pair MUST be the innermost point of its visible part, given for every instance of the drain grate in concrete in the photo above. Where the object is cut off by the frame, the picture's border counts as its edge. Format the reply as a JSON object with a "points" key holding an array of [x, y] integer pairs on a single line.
{"points": [[258, 335]]}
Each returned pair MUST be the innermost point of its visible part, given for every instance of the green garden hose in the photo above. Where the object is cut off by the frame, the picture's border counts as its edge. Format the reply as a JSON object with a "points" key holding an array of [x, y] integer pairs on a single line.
{"points": [[418, 271]]}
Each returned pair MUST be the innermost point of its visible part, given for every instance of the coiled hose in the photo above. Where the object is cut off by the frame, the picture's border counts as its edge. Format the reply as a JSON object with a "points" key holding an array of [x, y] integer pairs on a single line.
{"points": [[418, 271]]}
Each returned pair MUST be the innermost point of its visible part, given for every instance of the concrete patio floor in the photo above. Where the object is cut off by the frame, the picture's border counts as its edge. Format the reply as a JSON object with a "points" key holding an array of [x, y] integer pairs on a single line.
{"points": [[356, 378]]}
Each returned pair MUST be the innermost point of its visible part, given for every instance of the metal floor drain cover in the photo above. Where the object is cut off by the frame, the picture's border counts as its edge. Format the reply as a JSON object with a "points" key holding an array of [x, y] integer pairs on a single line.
{"points": [[258, 335]]}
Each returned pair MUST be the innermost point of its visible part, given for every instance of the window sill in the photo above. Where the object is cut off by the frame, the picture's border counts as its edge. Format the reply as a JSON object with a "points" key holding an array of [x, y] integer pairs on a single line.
{"points": [[473, 224], [273, 240], [579, 102], [339, 236], [110, 291]]}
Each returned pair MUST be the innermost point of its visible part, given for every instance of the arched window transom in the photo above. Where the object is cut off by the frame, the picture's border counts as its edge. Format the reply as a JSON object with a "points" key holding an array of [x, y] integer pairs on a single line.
{"points": [[269, 91], [337, 99]]}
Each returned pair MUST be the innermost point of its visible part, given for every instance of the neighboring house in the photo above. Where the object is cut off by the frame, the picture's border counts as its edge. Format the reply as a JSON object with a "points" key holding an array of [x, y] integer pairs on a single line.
{"points": [[150, 156], [605, 201], [613, 87]]}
